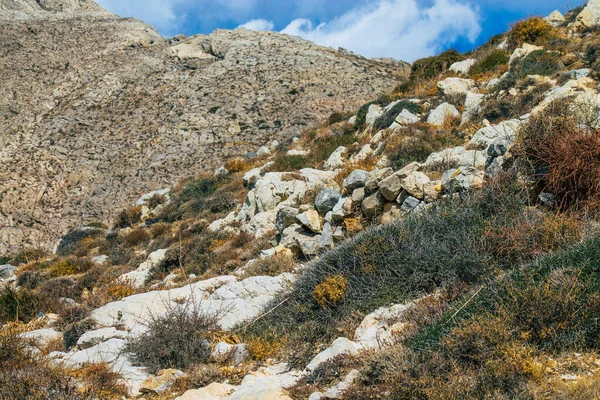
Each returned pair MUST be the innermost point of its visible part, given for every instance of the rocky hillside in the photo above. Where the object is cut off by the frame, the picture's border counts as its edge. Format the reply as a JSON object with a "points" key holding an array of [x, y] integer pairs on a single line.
{"points": [[442, 242], [96, 109]]}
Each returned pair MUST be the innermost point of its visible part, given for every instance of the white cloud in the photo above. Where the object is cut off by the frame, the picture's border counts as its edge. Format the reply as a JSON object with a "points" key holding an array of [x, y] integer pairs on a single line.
{"points": [[394, 28], [258, 25]]}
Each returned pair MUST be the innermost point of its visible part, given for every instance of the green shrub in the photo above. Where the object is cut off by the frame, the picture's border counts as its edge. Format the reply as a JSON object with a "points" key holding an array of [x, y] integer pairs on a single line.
{"points": [[539, 62], [431, 67], [507, 107], [283, 162], [492, 61], [388, 118], [179, 339], [19, 305]]}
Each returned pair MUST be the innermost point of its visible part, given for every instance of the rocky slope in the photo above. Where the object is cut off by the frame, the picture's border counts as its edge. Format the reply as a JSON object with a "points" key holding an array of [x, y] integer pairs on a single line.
{"points": [[96, 109]]}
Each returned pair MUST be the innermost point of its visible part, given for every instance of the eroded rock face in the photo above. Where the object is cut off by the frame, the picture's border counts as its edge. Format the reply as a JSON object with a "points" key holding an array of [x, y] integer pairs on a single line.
{"points": [[95, 109]]}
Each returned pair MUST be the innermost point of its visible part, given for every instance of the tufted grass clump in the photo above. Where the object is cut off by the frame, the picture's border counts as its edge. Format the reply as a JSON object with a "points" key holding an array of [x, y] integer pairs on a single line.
{"points": [[178, 339], [129, 217]]}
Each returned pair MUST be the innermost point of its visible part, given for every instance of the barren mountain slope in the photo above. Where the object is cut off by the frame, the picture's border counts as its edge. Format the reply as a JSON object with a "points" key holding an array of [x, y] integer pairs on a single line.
{"points": [[95, 109]]}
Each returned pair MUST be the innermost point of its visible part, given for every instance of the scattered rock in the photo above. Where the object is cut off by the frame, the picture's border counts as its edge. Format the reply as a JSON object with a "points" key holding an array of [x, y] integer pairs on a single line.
{"points": [[555, 18], [405, 118], [138, 277], [356, 179], [373, 205], [286, 216], [523, 51], [441, 114], [590, 15], [211, 392], [472, 106], [326, 200], [162, 382], [358, 195], [342, 209], [42, 337], [391, 212], [414, 184], [463, 67], [311, 220], [506, 130], [410, 204], [390, 187], [337, 159], [455, 86], [326, 242], [263, 151], [225, 352], [376, 176]]}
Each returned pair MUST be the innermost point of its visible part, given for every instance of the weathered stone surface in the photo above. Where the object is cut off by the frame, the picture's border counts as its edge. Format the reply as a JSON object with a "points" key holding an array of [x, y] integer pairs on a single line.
{"points": [[225, 352], [472, 106], [286, 216], [555, 18], [42, 337], [92, 338], [391, 212], [138, 277], [339, 390], [463, 67], [129, 111], [455, 86], [342, 209], [242, 300], [590, 15], [356, 179], [410, 204], [414, 184], [161, 382], [336, 159], [378, 328], [358, 195], [405, 118], [457, 156], [374, 112], [523, 51], [311, 220], [326, 200], [339, 347], [506, 130], [211, 392], [326, 242], [373, 205], [441, 114], [376, 176], [463, 178]]}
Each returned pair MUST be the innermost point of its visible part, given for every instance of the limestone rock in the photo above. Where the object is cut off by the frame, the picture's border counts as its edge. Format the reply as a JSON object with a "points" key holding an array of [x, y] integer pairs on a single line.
{"points": [[211, 392], [440, 115], [373, 113], [523, 51], [326, 200], [410, 204], [555, 18], [506, 130], [339, 347], [463, 67], [342, 209], [590, 15], [472, 106], [373, 205], [455, 86], [138, 277], [42, 337], [391, 212], [356, 179], [405, 118], [375, 177], [162, 382], [326, 241], [457, 156], [390, 187], [286, 216], [414, 184], [336, 159], [92, 338], [311, 220]]}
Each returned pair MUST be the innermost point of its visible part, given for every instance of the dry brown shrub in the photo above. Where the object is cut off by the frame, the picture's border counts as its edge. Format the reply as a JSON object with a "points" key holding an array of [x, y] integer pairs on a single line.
{"points": [[271, 266], [239, 164], [136, 237], [564, 153]]}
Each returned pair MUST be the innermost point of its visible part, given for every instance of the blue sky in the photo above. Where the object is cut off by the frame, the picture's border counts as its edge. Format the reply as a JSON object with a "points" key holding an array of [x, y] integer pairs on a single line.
{"points": [[403, 29]]}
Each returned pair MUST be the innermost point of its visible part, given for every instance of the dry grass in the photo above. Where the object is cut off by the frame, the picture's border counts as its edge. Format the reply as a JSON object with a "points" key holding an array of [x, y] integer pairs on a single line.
{"points": [[331, 291]]}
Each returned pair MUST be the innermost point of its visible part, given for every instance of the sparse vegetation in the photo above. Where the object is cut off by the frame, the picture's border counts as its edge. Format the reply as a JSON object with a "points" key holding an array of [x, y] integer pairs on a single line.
{"points": [[175, 340], [494, 60], [431, 67], [388, 118], [533, 30]]}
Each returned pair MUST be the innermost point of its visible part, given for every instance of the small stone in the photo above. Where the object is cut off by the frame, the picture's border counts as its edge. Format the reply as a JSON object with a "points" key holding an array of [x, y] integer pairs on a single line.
{"points": [[326, 200], [391, 212], [410, 204], [326, 242], [356, 179], [263, 151], [376, 176], [358, 195], [311, 219], [414, 184], [373, 205], [285, 217], [440, 115]]}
